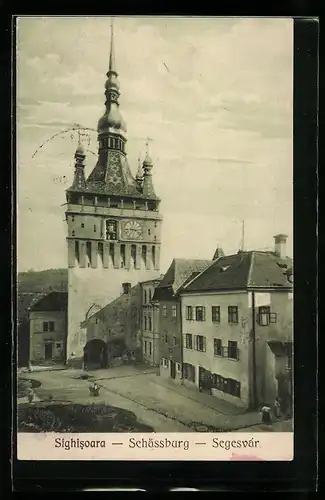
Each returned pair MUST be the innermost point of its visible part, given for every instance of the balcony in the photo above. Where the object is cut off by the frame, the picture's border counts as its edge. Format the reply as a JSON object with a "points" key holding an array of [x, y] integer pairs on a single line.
{"points": [[226, 352], [110, 211]]}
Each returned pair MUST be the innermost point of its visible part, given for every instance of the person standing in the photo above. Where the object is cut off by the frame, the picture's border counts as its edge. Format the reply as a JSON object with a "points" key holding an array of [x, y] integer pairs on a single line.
{"points": [[266, 413], [277, 408]]}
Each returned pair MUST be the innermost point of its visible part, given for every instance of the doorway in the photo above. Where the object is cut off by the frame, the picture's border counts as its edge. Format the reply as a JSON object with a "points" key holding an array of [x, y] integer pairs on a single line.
{"points": [[205, 379], [95, 354], [48, 349], [172, 369]]}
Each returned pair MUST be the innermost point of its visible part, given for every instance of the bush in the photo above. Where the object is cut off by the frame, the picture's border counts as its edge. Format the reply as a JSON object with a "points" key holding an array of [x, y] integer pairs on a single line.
{"points": [[77, 418]]}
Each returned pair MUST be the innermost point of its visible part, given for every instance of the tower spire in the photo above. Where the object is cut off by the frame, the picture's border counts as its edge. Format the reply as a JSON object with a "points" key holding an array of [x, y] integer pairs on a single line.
{"points": [[112, 63], [79, 179]]}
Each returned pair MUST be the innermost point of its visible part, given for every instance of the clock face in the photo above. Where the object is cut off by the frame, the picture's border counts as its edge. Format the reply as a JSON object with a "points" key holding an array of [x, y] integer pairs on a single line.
{"points": [[132, 230]]}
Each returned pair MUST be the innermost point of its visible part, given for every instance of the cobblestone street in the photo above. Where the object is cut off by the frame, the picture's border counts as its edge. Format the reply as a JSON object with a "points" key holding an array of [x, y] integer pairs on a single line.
{"points": [[157, 402]]}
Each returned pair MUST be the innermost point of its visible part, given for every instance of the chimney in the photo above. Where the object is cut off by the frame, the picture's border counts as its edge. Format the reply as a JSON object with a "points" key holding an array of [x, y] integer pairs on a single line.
{"points": [[126, 288], [280, 241]]}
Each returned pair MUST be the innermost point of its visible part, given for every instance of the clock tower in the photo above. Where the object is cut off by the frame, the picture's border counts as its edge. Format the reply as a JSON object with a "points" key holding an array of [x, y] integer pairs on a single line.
{"points": [[113, 220]]}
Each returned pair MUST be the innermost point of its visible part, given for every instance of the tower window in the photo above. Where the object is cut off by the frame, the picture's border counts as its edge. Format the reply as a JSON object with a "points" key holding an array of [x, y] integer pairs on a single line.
{"points": [[111, 252], [76, 251], [73, 233], [153, 253], [95, 229], [149, 231], [134, 255], [122, 255], [101, 250], [72, 218], [89, 251], [144, 254], [155, 224], [82, 224]]}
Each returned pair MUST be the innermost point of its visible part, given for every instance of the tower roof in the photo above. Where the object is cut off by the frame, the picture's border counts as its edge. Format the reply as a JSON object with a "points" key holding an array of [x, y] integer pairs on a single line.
{"points": [[112, 175]]}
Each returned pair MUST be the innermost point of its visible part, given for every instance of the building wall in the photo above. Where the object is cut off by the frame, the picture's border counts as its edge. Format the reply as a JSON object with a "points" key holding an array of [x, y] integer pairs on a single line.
{"points": [[227, 368], [38, 338], [281, 304], [119, 320], [94, 277], [150, 325], [170, 326]]}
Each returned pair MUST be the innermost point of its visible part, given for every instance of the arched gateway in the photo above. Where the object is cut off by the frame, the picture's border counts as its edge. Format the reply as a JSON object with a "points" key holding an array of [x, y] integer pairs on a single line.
{"points": [[99, 354], [95, 354]]}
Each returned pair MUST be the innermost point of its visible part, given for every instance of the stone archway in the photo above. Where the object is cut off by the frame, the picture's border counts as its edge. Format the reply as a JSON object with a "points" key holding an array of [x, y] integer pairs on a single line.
{"points": [[95, 355]]}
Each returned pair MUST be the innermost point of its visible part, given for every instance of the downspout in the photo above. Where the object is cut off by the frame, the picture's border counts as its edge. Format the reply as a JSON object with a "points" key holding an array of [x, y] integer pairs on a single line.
{"points": [[181, 339], [254, 351]]}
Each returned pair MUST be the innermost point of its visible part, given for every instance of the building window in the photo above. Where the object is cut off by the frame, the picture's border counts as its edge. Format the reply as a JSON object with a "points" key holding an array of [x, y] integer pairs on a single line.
{"points": [[178, 367], [217, 382], [217, 347], [200, 313], [189, 372], [149, 348], [134, 255], [126, 287], [48, 326], [200, 343], [165, 311], [82, 224], [215, 310], [164, 362], [174, 340], [145, 297], [232, 387], [233, 314], [150, 295], [149, 323], [166, 338], [73, 233], [72, 218], [58, 345], [189, 341], [145, 322], [227, 385], [189, 312], [265, 317], [149, 231], [233, 350], [174, 311]]}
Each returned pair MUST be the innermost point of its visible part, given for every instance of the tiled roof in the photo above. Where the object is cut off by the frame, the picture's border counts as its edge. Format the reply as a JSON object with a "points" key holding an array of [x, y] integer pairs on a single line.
{"points": [[53, 301], [113, 179], [24, 301], [240, 271], [266, 270], [179, 271]]}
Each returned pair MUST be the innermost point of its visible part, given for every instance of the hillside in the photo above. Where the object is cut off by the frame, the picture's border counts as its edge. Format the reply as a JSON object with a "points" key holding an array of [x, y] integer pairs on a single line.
{"points": [[43, 281]]}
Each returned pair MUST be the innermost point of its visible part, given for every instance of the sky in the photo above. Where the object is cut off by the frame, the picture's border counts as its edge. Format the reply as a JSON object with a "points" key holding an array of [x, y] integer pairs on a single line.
{"points": [[215, 95]]}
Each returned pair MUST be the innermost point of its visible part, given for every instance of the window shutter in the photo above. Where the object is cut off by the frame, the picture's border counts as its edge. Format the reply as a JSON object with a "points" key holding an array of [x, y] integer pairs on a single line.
{"points": [[184, 340], [273, 317], [195, 342], [204, 344], [192, 312], [203, 313]]}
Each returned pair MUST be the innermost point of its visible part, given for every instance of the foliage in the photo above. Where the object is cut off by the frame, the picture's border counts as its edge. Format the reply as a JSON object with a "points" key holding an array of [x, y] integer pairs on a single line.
{"points": [[43, 281], [77, 418]]}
